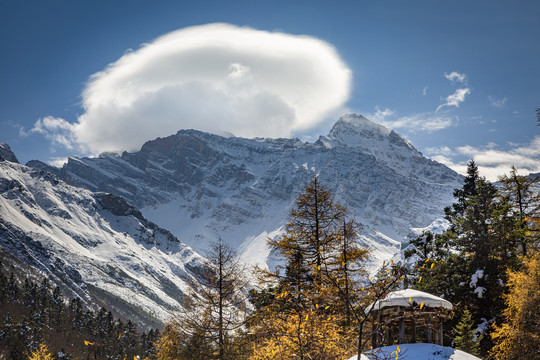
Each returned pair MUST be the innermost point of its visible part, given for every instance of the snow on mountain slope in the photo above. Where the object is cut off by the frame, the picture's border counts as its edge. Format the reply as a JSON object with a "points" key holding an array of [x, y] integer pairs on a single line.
{"points": [[387, 146], [95, 244], [7, 154], [202, 186]]}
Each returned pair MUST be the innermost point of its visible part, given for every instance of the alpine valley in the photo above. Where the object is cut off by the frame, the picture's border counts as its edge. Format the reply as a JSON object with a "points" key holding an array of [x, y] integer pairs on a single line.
{"points": [[119, 229]]}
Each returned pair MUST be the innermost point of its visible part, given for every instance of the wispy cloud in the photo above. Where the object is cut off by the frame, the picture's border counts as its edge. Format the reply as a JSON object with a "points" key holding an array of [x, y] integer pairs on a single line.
{"points": [[217, 78], [381, 116], [499, 103], [56, 130], [455, 99], [421, 122], [454, 76], [58, 161], [491, 159], [440, 150]]}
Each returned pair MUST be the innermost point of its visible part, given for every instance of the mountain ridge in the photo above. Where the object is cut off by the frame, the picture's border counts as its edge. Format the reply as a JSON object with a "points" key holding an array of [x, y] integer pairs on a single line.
{"points": [[95, 246], [203, 186]]}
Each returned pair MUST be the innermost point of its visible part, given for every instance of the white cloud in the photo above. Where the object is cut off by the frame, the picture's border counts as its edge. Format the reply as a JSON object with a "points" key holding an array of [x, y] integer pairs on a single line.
{"points": [[56, 130], [421, 122], [424, 92], [217, 78], [381, 116], [440, 150], [492, 161], [58, 161], [427, 122], [500, 103], [455, 99], [454, 76]]}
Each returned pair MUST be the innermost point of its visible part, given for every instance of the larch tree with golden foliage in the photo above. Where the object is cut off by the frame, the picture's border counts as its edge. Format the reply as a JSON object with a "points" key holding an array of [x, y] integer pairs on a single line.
{"points": [[41, 353], [293, 336], [169, 344], [305, 311], [518, 337], [213, 312]]}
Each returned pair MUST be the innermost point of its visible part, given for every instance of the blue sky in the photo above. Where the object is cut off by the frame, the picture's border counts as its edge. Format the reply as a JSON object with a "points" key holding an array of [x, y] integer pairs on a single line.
{"points": [[459, 79]]}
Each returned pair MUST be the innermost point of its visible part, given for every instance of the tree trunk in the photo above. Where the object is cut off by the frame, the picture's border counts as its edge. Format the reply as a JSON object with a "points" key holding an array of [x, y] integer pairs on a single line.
{"points": [[220, 304]]}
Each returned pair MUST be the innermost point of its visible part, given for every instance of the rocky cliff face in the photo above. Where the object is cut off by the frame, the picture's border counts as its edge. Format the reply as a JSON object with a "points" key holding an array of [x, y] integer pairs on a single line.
{"points": [[7, 154], [94, 245], [202, 187]]}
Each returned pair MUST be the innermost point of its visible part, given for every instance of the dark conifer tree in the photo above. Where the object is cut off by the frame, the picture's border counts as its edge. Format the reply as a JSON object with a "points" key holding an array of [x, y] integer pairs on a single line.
{"points": [[467, 263]]}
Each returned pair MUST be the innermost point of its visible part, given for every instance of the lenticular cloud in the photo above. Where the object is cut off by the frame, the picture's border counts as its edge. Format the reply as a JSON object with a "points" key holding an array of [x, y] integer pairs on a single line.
{"points": [[217, 78]]}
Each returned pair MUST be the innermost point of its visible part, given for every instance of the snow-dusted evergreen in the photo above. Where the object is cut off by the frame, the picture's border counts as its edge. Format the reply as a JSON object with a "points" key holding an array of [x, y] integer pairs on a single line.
{"points": [[202, 186]]}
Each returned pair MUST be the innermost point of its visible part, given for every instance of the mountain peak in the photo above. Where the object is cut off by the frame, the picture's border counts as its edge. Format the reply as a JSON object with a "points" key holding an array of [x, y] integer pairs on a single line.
{"points": [[358, 125], [357, 131], [7, 154], [367, 137]]}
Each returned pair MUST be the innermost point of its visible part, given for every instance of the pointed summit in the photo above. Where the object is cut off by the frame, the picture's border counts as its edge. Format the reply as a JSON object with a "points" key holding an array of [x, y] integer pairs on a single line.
{"points": [[7, 154], [386, 145], [357, 131], [358, 126]]}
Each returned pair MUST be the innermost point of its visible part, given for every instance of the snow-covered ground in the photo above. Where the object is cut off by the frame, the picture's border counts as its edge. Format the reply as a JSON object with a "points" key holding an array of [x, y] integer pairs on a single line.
{"points": [[416, 352]]}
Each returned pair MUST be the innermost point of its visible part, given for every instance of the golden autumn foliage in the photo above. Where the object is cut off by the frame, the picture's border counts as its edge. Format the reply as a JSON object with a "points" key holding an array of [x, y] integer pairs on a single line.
{"points": [[308, 311], [519, 336], [315, 335], [168, 347], [41, 353]]}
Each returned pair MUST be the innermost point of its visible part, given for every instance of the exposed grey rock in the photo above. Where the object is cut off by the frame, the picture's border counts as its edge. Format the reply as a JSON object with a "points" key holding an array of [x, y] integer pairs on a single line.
{"points": [[96, 246], [7, 154], [202, 186]]}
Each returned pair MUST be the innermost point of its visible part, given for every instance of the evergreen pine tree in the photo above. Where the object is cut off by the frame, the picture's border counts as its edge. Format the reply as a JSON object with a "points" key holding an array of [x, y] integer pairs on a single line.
{"points": [[466, 339], [466, 264]]}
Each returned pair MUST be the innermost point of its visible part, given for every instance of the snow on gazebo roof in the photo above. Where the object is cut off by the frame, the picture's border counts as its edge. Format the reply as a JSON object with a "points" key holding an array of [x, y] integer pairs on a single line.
{"points": [[409, 297]]}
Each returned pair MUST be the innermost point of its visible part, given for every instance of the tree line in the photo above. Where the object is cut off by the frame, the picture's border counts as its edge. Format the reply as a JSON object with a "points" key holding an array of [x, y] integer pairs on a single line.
{"points": [[37, 321]]}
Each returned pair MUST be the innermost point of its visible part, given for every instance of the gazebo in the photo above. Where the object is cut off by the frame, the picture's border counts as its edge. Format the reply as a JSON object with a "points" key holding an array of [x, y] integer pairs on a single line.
{"points": [[408, 309]]}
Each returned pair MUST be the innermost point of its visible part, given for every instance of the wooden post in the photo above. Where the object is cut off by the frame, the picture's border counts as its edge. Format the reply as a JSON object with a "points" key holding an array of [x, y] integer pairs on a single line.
{"points": [[380, 335], [374, 334], [441, 332], [428, 330], [413, 340], [402, 330]]}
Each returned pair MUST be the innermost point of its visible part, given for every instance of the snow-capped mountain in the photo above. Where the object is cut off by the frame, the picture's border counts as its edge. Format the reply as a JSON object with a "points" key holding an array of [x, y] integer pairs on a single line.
{"points": [[202, 186], [94, 245]]}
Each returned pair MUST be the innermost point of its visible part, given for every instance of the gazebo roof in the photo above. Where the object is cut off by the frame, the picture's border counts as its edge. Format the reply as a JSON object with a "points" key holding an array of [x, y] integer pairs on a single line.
{"points": [[409, 298]]}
